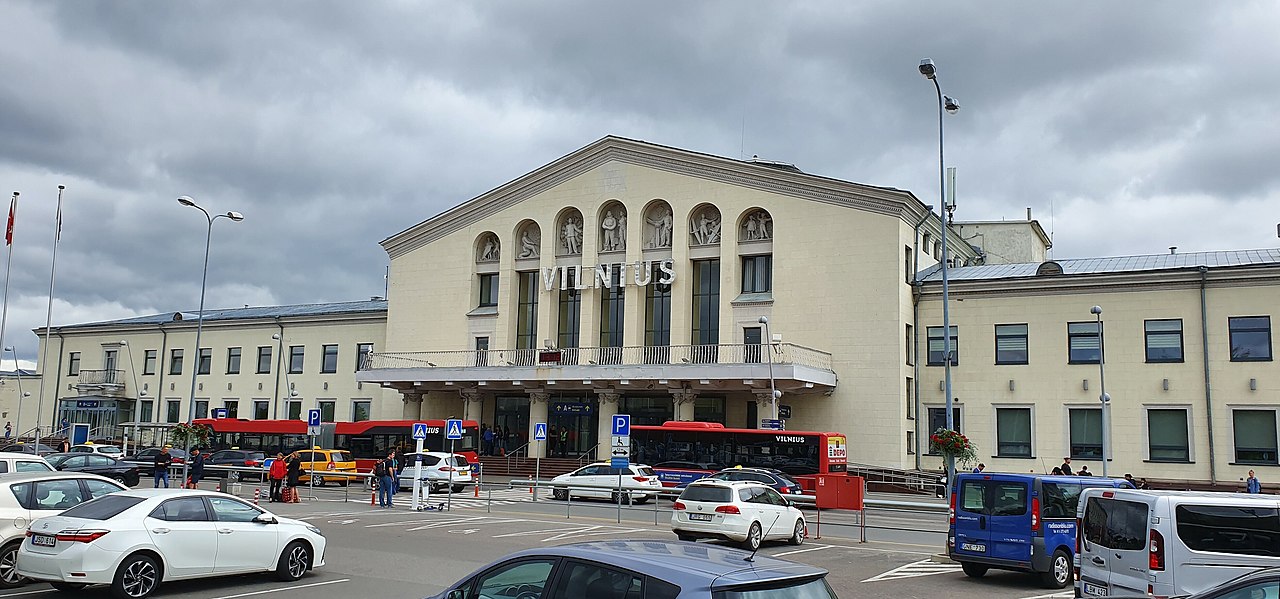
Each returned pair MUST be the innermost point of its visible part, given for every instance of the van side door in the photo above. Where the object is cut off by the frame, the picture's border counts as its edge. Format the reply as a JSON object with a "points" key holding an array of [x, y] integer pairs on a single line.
{"points": [[972, 534], [1009, 520], [1113, 550]]}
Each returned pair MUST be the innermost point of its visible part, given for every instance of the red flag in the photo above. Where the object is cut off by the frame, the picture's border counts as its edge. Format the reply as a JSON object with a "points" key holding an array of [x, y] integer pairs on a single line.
{"points": [[8, 232]]}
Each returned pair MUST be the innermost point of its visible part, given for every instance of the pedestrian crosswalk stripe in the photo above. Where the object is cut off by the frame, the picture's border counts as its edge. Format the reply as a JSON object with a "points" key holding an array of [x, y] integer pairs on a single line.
{"points": [[915, 569]]}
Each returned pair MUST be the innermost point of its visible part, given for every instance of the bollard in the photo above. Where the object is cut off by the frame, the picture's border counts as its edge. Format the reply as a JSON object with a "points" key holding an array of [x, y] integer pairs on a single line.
{"points": [[256, 492], [373, 497], [477, 491], [531, 484]]}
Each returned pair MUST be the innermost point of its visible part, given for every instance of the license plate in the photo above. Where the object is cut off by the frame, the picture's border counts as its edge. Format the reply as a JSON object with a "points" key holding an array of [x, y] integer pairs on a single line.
{"points": [[1095, 590], [706, 517], [44, 540], [974, 547]]}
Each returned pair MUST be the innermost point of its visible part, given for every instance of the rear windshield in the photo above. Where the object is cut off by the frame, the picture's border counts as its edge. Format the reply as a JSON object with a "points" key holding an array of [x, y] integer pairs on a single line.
{"points": [[645, 471], [103, 508], [707, 493], [460, 461], [814, 589], [1242, 530], [1115, 523], [340, 456]]}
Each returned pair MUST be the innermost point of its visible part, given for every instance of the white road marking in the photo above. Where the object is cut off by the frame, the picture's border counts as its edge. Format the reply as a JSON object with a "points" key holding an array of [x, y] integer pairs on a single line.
{"points": [[28, 593], [795, 551], [469, 531], [915, 569], [352, 521], [289, 588], [1059, 595]]}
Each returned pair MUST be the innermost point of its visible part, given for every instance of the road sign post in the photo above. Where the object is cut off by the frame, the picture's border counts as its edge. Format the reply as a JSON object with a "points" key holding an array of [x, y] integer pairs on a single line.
{"points": [[620, 453], [419, 436], [452, 432], [313, 431], [539, 435]]}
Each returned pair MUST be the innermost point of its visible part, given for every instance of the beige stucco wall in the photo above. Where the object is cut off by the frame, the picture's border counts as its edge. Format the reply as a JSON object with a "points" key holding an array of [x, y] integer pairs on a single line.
{"points": [[11, 388]]}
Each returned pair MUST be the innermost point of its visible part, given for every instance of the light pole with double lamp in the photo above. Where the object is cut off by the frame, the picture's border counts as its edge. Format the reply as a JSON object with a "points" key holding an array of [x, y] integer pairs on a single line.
{"points": [[774, 393], [947, 104], [204, 278], [1103, 397]]}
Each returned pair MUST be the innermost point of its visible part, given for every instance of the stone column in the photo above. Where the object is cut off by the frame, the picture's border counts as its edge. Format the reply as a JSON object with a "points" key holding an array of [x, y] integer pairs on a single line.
{"points": [[764, 403], [607, 410], [472, 404], [684, 400], [538, 401], [412, 406]]}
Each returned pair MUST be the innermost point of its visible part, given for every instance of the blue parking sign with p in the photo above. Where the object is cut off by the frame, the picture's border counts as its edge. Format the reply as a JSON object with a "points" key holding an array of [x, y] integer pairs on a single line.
{"points": [[419, 430], [313, 417], [621, 425]]}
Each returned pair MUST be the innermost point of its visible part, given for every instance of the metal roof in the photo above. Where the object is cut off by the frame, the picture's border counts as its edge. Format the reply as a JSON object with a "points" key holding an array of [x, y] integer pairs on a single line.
{"points": [[1118, 264], [247, 313]]}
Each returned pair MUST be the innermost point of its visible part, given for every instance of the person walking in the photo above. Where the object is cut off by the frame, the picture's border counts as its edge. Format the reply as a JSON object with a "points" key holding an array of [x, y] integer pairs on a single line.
{"points": [[277, 473], [564, 442], [487, 435], [1066, 466], [162, 462], [196, 471], [384, 470], [1252, 484]]}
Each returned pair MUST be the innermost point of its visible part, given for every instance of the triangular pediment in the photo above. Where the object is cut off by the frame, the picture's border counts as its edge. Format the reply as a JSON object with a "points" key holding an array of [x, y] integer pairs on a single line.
{"points": [[745, 173]]}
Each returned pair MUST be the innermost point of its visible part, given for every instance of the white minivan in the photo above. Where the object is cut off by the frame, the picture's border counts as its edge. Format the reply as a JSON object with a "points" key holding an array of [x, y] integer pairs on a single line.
{"points": [[1168, 543]]}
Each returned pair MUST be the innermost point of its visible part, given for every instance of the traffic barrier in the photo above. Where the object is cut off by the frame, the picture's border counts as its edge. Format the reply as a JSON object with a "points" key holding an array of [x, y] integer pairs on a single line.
{"points": [[256, 491]]}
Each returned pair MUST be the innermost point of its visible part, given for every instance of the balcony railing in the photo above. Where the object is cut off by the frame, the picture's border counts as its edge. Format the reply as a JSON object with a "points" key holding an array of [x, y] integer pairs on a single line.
{"points": [[783, 354], [101, 377]]}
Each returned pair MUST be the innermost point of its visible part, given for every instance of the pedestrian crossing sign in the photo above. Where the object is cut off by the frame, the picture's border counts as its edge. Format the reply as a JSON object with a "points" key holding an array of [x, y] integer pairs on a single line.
{"points": [[453, 430], [540, 431], [419, 430]]}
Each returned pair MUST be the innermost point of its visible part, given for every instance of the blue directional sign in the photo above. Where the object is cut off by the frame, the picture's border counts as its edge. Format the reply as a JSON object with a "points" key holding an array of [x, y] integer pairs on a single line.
{"points": [[453, 429], [540, 431], [219, 413], [313, 417], [619, 463], [770, 424], [622, 425], [419, 431]]}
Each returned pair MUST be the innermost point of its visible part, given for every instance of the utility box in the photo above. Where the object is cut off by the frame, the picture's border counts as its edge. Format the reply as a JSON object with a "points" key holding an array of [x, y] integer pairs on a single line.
{"points": [[839, 492]]}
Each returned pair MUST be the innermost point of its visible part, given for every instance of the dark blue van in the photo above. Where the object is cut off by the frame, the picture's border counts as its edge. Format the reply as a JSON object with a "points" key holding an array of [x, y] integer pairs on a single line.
{"points": [[1023, 522]]}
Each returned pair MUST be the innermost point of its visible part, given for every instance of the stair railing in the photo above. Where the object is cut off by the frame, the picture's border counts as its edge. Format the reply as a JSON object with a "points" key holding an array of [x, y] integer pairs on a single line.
{"points": [[588, 455], [515, 455]]}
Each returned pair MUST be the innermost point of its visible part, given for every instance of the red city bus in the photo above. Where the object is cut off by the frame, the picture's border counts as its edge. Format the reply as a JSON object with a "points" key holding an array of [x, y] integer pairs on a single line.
{"points": [[368, 440], [682, 452]]}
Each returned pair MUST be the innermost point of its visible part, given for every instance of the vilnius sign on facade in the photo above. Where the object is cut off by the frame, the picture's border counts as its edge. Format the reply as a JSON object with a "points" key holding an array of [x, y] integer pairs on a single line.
{"points": [[642, 275]]}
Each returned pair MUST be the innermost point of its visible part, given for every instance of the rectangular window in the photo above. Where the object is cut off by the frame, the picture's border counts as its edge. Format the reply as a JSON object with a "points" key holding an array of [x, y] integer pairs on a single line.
{"points": [[936, 346], [488, 290], [751, 340], [173, 410], [360, 410], [1167, 435], [1086, 433], [205, 362], [709, 409], [906, 258], [1235, 530], [1116, 524], [293, 410], [175, 361], [261, 409], [329, 359], [149, 361], [327, 410], [296, 354], [1083, 343], [938, 419], [1013, 432], [202, 408], [911, 346], [482, 351], [146, 412], [1164, 340], [1250, 338], [757, 274], [706, 310], [911, 442], [569, 313], [1011, 343], [233, 360], [657, 320], [233, 408], [911, 399], [363, 351], [612, 304], [1255, 436], [264, 360], [527, 314], [109, 359], [73, 364]]}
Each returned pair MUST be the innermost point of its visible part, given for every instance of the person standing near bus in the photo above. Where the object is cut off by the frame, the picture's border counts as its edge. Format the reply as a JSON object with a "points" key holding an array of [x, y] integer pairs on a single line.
{"points": [[277, 473]]}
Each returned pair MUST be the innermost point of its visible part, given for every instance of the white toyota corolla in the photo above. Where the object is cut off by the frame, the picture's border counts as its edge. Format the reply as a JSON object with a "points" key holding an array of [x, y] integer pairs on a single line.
{"points": [[134, 540]]}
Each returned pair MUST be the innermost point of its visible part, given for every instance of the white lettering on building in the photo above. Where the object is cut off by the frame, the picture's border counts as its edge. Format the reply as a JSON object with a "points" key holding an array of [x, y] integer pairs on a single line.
{"points": [[642, 275]]}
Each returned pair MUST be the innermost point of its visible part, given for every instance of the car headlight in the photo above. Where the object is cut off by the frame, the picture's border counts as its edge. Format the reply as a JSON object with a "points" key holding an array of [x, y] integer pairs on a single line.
{"points": [[315, 530]]}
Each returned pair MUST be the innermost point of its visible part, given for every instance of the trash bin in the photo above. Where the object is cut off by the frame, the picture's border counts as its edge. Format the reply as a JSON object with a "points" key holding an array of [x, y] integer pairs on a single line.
{"points": [[224, 484]]}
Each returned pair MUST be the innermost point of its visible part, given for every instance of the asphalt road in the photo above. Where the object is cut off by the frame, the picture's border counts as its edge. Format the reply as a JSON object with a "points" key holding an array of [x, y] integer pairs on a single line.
{"points": [[377, 553]]}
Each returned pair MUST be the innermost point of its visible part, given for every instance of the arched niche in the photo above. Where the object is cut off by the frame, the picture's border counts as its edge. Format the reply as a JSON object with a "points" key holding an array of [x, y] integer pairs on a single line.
{"points": [[528, 243], [613, 227], [569, 232], [705, 225], [488, 247], [659, 224], [755, 224]]}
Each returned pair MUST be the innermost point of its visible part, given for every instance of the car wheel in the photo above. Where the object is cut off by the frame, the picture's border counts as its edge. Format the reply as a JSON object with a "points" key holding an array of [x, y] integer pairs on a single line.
{"points": [[67, 586], [797, 535], [9, 577], [233, 477], [317, 480], [344, 482], [973, 570], [294, 562], [120, 479], [1059, 574], [560, 494], [754, 537], [621, 498], [136, 578], [458, 488]]}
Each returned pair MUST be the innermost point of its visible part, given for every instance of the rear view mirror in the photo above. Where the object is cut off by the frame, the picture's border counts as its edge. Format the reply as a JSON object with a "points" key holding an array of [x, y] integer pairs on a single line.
{"points": [[265, 519]]}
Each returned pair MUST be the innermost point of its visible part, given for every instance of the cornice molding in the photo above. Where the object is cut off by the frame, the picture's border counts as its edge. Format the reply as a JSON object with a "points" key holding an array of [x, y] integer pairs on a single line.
{"points": [[1180, 280]]}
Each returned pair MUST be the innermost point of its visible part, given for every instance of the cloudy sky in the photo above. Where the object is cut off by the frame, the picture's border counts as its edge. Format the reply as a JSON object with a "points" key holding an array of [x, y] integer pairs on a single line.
{"points": [[1125, 127]]}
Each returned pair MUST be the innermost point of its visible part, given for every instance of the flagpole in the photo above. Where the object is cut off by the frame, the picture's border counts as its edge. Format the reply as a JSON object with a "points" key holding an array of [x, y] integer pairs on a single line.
{"points": [[48, 322], [4, 312]]}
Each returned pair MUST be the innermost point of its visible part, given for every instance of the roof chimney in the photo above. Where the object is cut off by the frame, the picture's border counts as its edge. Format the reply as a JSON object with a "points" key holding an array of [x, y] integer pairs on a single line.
{"points": [[1028, 212], [1173, 249]]}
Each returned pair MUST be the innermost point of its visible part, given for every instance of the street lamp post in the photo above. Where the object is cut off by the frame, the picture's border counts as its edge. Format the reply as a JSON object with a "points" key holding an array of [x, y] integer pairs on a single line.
{"points": [[281, 368], [17, 373], [774, 393], [204, 278], [948, 104], [137, 403], [1103, 398]]}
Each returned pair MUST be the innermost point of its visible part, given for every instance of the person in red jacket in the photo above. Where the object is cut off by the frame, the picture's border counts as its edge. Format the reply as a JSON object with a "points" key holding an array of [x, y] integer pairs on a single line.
{"points": [[277, 474]]}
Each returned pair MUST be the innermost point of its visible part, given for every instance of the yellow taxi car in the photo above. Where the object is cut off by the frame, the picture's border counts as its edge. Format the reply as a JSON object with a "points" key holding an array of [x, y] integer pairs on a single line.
{"points": [[326, 460]]}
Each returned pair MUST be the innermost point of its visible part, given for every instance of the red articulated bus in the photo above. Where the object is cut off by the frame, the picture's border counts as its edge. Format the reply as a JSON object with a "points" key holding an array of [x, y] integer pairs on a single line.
{"points": [[682, 452], [368, 440]]}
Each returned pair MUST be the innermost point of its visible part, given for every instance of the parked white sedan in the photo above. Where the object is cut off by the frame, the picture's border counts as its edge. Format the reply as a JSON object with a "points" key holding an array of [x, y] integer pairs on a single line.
{"points": [[116, 539], [639, 483], [438, 470], [742, 511]]}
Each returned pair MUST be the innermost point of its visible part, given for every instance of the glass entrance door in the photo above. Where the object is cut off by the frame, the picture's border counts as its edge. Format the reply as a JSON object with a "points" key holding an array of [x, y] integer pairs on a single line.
{"points": [[573, 424]]}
